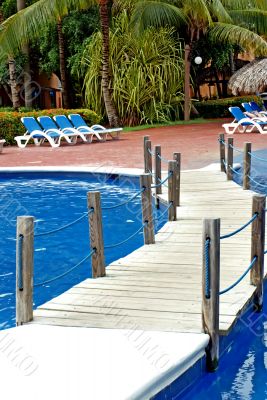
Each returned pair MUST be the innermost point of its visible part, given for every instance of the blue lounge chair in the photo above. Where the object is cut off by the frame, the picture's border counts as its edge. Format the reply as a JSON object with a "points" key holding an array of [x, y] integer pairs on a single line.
{"points": [[255, 107], [243, 124], [37, 134], [48, 123], [79, 123], [250, 112], [66, 126]]}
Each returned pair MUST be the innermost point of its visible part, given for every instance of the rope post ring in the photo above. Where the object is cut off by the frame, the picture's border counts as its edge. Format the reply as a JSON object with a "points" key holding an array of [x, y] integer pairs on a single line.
{"points": [[246, 166], [257, 249], [157, 166], [222, 152], [96, 234], [230, 159], [24, 269], [210, 288], [147, 209]]}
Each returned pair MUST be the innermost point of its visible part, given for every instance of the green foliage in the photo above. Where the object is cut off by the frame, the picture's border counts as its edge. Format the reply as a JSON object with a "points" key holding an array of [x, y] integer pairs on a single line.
{"points": [[219, 108], [10, 124], [147, 73]]}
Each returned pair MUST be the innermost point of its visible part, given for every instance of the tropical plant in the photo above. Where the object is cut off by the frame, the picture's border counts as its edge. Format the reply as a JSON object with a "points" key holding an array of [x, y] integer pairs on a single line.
{"points": [[147, 73], [28, 23], [227, 21]]}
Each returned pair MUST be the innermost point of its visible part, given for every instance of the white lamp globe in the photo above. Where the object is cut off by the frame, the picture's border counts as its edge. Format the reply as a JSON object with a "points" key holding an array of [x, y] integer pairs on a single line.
{"points": [[198, 60]]}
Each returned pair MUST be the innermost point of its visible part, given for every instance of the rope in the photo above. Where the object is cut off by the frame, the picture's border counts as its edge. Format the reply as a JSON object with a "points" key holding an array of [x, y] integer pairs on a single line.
{"points": [[110, 246], [241, 228], [164, 212], [65, 226], [162, 158], [125, 202], [67, 272], [235, 171], [207, 268], [241, 277], [150, 152], [256, 157], [257, 183], [162, 182], [236, 149], [20, 262], [225, 164]]}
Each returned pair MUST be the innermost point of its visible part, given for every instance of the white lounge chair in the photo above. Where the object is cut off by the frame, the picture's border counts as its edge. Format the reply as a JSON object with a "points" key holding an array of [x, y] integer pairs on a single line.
{"points": [[66, 126], [34, 132], [80, 124], [48, 124], [243, 124]]}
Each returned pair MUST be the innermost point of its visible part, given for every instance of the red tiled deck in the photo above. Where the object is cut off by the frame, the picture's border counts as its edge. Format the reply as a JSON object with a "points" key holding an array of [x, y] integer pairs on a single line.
{"points": [[197, 143]]}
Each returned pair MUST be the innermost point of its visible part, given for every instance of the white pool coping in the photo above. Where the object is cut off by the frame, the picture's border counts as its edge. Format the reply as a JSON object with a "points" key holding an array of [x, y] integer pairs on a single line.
{"points": [[40, 362]]}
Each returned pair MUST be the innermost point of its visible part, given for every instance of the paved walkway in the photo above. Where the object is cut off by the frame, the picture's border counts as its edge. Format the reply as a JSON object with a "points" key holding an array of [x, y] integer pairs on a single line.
{"points": [[197, 143]]}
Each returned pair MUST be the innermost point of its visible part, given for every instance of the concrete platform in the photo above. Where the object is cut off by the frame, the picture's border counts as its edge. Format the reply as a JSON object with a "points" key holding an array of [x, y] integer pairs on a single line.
{"points": [[47, 362]]}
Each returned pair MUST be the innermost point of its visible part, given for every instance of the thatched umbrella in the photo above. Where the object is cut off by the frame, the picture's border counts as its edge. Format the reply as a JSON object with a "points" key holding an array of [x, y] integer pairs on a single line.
{"points": [[252, 78]]}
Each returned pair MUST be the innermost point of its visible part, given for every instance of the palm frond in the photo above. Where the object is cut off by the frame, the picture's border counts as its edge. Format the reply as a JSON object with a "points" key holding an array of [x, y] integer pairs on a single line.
{"points": [[255, 19], [233, 34], [243, 4], [28, 23], [220, 12], [154, 13]]}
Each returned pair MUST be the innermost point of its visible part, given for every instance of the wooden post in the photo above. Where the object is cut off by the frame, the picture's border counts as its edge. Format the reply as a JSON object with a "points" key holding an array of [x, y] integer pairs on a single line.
{"points": [[187, 83], [230, 159], [147, 209], [96, 234], [246, 166], [157, 166], [173, 182], [211, 281], [257, 249], [24, 269], [222, 152], [177, 158], [147, 155]]}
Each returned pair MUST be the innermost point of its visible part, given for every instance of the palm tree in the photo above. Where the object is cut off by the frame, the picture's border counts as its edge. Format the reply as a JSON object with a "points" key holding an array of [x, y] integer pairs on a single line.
{"points": [[23, 26], [224, 20], [21, 4]]}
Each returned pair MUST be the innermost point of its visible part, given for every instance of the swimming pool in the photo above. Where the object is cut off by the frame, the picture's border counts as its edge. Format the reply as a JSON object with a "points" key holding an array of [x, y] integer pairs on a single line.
{"points": [[242, 369], [55, 200]]}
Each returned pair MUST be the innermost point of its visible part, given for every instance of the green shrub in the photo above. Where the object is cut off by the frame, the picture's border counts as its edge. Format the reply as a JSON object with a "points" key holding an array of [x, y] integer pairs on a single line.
{"points": [[10, 123], [219, 108]]}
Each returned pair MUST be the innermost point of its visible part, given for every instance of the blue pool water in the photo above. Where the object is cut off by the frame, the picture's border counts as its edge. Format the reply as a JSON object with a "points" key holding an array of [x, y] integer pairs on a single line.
{"points": [[55, 200], [242, 373]]}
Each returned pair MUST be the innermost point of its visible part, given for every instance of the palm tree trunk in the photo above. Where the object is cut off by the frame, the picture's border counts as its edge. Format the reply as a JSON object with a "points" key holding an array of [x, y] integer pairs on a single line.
{"points": [[187, 65], [21, 4], [13, 84], [62, 65], [12, 77], [105, 81]]}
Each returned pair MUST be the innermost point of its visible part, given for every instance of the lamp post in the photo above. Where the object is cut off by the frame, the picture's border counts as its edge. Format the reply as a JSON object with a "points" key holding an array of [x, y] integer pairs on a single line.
{"points": [[187, 63]]}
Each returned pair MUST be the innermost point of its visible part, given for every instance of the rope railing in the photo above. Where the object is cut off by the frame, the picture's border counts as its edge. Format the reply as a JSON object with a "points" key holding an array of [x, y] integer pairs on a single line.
{"points": [[162, 158], [228, 235], [235, 171], [257, 157], [162, 181], [67, 272], [164, 212], [240, 278], [110, 246], [64, 226], [125, 202], [256, 182], [151, 152]]}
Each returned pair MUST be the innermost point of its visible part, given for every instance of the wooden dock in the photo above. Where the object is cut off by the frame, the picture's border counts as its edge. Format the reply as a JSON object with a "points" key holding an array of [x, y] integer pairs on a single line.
{"points": [[158, 287]]}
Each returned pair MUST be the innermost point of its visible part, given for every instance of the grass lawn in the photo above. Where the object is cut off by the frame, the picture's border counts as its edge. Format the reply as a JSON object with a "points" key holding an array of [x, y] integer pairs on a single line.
{"points": [[171, 123]]}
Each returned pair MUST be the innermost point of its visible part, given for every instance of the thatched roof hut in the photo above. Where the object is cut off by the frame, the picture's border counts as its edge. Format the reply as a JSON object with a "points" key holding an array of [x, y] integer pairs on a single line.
{"points": [[252, 78]]}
